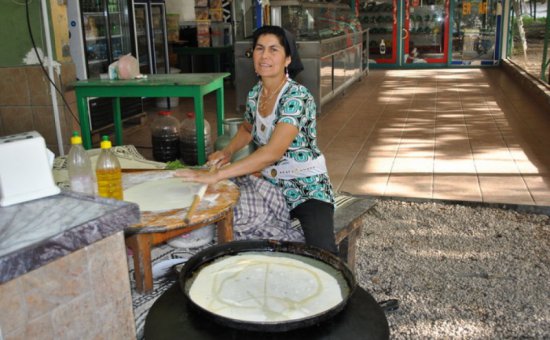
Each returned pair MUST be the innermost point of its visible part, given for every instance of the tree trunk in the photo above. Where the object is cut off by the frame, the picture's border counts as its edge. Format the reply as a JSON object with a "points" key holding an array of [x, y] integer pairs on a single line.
{"points": [[516, 4]]}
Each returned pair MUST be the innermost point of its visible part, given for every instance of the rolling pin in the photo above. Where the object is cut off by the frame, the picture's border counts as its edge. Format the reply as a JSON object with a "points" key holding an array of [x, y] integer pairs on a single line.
{"points": [[197, 198]]}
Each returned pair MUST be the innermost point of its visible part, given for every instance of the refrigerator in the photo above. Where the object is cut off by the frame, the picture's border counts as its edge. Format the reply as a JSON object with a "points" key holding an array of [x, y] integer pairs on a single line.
{"points": [[100, 32], [151, 38]]}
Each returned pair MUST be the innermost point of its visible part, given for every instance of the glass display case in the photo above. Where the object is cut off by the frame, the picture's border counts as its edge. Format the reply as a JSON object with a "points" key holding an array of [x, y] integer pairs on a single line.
{"points": [[151, 36], [314, 20], [474, 28], [381, 19], [330, 40], [100, 33]]}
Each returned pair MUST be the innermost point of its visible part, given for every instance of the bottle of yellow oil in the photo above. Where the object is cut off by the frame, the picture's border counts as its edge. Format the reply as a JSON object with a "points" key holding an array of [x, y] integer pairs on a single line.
{"points": [[108, 172]]}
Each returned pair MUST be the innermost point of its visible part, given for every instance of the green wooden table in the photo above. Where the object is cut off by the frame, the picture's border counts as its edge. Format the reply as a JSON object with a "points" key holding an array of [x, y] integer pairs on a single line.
{"points": [[194, 85]]}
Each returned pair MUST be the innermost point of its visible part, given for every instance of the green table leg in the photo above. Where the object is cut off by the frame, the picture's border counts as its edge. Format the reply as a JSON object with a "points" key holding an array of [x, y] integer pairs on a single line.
{"points": [[117, 121], [220, 109], [199, 124], [84, 121]]}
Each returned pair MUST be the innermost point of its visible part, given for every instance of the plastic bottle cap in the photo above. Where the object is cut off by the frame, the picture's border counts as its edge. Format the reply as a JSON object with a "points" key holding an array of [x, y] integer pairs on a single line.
{"points": [[76, 139], [191, 114], [105, 142], [165, 113]]}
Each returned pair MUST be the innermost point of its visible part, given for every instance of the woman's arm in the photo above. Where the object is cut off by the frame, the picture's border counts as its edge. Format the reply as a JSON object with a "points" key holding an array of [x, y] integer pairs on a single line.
{"points": [[242, 138], [280, 141]]}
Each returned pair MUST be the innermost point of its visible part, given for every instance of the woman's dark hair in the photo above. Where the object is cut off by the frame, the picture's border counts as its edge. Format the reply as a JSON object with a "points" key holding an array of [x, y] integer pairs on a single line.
{"points": [[277, 31], [286, 39]]}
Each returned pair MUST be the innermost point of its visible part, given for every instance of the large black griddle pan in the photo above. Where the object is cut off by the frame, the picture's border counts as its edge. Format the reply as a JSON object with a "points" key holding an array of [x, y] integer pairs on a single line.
{"points": [[206, 256]]}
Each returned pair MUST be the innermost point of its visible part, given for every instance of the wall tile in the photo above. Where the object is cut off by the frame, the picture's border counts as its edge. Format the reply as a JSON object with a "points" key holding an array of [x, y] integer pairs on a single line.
{"points": [[16, 119], [40, 328], [109, 271], [121, 327], [45, 124], [56, 284], [76, 319], [70, 122], [39, 86], [13, 87], [70, 97], [25, 98], [68, 75], [50, 290], [67, 79], [12, 300], [62, 300]]}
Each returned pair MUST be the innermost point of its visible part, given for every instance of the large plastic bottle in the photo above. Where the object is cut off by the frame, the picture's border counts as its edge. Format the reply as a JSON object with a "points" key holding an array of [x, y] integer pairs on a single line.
{"points": [[165, 134], [382, 47], [230, 128], [81, 174], [108, 171], [188, 140]]}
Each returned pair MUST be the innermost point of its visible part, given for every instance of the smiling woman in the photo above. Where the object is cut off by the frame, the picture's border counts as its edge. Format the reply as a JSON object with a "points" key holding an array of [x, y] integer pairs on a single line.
{"points": [[280, 118]]}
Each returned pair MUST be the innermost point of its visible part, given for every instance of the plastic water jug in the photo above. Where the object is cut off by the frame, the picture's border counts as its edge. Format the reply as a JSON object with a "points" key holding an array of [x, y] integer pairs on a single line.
{"points": [[165, 133], [188, 140]]}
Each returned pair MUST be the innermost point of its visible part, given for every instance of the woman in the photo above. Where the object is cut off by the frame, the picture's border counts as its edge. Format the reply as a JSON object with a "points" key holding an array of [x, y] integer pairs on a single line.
{"points": [[280, 119]]}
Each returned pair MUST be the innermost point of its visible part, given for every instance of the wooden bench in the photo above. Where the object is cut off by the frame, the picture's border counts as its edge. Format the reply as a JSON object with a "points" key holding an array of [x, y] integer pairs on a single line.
{"points": [[348, 221]]}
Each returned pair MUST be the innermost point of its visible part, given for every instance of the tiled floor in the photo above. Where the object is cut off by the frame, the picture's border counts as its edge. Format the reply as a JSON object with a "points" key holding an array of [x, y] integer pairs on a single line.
{"points": [[464, 134]]}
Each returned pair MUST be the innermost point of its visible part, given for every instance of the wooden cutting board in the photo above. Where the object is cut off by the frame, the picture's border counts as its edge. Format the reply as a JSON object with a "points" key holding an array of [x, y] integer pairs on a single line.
{"points": [[217, 200]]}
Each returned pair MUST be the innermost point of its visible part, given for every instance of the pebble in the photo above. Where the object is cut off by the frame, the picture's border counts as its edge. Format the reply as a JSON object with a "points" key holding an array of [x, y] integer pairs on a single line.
{"points": [[458, 271]]}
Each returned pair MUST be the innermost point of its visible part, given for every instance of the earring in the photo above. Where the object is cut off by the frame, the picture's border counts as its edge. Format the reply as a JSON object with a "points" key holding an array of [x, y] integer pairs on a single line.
{"points": [[286, 72]]}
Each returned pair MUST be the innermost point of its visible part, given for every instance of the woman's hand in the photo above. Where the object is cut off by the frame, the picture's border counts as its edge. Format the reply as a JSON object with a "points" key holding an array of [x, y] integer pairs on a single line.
{"points": [[219, 158], [199, 176]]}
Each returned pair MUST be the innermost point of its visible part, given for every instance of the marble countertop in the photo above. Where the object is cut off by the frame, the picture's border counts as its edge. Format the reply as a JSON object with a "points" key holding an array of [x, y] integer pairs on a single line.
{"points": [[37, 232]]}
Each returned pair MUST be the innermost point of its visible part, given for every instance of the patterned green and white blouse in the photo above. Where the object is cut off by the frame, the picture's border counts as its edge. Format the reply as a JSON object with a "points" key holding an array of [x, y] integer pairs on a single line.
{"points": [[295, 106]]}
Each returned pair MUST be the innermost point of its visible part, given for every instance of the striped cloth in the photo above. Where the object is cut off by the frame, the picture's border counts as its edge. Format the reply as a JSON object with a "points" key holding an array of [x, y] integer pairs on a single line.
{"points": [[262, 213]]}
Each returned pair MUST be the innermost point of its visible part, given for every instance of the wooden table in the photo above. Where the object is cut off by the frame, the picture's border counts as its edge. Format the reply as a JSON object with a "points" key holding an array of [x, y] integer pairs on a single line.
{"points": [[194, 85], [156, 228]]}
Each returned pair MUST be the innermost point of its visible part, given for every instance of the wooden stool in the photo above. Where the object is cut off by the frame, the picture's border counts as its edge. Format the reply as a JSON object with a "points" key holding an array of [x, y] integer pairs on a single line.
{"points": [[348, 220]]}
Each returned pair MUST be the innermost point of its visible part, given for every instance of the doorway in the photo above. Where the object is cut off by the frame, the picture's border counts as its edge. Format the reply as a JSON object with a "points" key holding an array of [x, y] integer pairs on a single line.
{"points": [[406, 32]]}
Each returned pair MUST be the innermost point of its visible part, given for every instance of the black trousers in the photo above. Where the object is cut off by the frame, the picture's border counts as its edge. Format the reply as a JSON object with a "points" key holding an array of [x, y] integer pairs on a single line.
{"points": [[317, 220]]}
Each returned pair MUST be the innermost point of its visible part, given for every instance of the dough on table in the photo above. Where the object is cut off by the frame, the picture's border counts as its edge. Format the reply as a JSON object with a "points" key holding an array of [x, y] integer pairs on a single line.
{"points": [[162, 194]]}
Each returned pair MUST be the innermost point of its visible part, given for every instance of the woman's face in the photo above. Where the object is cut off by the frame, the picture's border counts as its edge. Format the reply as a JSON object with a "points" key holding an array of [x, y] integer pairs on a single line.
{"points": [[269, 56]]}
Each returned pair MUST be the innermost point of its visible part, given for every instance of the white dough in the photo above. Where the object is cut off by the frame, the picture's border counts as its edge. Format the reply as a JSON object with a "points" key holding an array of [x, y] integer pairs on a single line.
{"points": [[265, 288], [162, 194]]}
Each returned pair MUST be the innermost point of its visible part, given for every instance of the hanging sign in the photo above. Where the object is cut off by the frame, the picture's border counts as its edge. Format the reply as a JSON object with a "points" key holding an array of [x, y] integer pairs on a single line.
{"points": [[483, 8], [466, 8]]}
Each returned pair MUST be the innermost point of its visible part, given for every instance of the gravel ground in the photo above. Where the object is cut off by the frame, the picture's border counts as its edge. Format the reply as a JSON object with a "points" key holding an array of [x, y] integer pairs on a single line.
{"points": [[458, 271]]}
